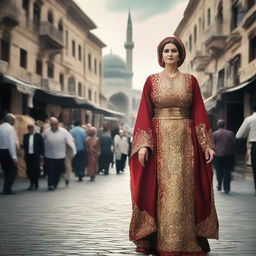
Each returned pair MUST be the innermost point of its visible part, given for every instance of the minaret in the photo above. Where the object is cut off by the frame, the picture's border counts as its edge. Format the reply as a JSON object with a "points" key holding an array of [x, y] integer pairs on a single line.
{"points": [[129, 44]]}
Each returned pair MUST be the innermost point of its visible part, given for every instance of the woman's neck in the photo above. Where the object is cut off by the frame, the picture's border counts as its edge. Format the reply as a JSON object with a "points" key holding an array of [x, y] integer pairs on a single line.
{"points": [[171, 71]]}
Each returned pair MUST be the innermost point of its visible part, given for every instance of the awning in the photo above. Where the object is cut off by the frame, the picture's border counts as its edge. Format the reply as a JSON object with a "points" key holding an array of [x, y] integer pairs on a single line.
{"points": [[108, 112], [238, 87], [210, 103], [22, 87]]}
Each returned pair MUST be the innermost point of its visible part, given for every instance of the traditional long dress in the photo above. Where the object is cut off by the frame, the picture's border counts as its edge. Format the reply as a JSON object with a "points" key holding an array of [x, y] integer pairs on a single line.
{"points": [[173, 205], [93, 152]]}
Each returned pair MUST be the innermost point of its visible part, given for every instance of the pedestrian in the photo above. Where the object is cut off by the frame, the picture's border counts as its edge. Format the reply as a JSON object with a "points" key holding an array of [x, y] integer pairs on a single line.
{"points": [[93, 152], [8, 153], [68, 164], [124, 149], [171, 175], [79, 161], [224, 159], [55, 140], [106, 153], [248, 130], [33, 146], [117, 150]]}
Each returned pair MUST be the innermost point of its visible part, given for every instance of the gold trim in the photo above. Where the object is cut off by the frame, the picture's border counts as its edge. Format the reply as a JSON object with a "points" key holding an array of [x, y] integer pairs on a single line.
{"points": [[172, 113], [204, 136], [142, 139]]}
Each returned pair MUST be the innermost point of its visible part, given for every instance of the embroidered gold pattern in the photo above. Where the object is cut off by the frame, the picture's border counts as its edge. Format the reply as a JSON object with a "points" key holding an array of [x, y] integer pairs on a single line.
{"points": [[141, 139], [175, 172], [204, 137], [209, 227], [142, 224]]}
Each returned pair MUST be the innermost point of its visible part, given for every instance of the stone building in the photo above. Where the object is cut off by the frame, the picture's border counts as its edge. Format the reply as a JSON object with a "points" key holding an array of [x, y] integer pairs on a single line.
{"points": [[50, 62], [117, 81], [220, 39]]}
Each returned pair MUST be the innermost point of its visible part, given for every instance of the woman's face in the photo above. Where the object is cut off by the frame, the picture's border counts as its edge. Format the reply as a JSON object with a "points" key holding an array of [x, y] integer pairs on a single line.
{"points": [[170, 54]]}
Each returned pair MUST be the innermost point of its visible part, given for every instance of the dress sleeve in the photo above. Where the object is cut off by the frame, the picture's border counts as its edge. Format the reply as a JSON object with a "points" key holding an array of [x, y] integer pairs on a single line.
{"points": [[200, 118], [142, 136]]}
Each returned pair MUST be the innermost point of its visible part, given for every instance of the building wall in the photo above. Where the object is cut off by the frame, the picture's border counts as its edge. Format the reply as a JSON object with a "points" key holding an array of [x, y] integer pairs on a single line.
{"points": [[26, 36]]}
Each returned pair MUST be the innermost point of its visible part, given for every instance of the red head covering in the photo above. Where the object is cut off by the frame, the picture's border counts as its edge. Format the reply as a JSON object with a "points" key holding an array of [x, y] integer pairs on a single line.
{"points": [[179, 45]]}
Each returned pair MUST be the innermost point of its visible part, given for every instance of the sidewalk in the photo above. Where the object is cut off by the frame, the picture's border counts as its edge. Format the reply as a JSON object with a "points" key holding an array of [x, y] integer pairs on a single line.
{"points": [[92, 218]]}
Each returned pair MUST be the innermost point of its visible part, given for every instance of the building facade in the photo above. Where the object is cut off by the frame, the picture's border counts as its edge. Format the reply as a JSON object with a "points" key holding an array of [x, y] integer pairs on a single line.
{"points": [[50, 62], [220, 39], [117, 80]]}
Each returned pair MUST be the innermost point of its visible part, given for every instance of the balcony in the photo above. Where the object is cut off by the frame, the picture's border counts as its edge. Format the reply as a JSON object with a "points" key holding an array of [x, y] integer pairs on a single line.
{"points": [[200, 61], [214, 39], [249, 17], [233, 39], [50, 84], [9, 13], [50, 37]]}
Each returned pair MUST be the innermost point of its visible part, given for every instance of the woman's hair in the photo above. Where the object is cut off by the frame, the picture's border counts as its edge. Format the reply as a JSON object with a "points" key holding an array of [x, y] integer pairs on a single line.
{"points": [[180, 46]]}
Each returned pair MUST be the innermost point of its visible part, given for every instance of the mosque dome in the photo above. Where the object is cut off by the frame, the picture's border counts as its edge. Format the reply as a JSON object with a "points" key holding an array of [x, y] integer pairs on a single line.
{"points": [[113, 62]]}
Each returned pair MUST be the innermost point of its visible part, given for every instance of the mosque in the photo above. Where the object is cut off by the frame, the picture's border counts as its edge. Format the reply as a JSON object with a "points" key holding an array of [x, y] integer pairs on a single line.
{"points": [[117, 81]]}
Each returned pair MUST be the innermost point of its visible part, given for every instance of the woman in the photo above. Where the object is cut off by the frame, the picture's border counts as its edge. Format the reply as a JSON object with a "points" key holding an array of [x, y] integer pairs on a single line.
{"points": [[171, 176], [93, 152]]}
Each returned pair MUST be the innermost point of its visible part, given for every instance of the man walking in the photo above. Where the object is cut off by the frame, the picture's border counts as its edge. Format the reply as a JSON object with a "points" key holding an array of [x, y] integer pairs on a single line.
{"points": [[33, 147], [224, 160], [248, 130], [79, 161], [55, 140], [8, 154]]}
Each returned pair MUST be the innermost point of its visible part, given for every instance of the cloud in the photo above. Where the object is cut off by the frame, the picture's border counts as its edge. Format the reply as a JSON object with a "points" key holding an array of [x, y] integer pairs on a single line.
{"points": [[142, 9]]}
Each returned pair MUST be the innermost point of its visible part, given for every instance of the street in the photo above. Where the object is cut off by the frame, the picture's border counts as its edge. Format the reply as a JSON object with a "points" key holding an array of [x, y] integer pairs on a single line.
{"points": [[92, 218]]}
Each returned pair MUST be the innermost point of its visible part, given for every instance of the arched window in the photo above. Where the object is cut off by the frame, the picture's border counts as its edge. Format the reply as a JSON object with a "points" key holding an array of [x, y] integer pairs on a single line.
{"points": [[72, 85], [50, 17]]}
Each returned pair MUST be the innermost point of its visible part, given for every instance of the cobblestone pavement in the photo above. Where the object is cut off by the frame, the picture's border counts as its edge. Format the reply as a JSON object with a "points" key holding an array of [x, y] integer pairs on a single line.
{"points": [[92, 218]]}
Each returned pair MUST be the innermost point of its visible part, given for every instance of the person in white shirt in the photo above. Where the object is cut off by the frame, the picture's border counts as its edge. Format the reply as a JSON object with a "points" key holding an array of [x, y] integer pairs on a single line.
{"points": [[124, 149], [248, 130], [117, 150], [55, 140], [8, 154]]}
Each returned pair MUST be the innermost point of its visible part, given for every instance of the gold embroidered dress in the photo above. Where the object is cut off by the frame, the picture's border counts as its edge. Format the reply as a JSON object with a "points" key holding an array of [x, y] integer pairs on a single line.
{"points": [[169, 227]]}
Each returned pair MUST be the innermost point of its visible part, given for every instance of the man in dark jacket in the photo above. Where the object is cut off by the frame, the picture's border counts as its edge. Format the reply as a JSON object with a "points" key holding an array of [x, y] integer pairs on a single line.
{"points": [[106, 155], [33, 147], [224, 160]]}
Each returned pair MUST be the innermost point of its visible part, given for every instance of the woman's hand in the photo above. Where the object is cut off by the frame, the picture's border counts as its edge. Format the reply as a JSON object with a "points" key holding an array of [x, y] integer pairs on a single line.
{"points": [[143, 156], [209, 155]]}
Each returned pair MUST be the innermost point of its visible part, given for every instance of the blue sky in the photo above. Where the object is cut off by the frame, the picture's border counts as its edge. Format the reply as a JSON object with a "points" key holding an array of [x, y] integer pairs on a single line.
{"points": [[152, 21]]}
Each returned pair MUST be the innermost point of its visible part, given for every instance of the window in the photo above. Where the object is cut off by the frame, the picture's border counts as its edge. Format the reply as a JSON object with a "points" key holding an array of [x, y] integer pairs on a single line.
{"points": [[50, 70], [90, 61], [250, 4], [95, 66], [100, 69], [36, 14], [25, 5], [190, 43], [208, 17], [39, 67], [61, 80], [89, 94], [5, 50], [60, 26], [195, 34], [72, 85], [80, 90], [252, 49], [95, 97], [73, 48], [200, 25], [80, 52], [50, 17], [221, 79], [66, 38], [234, 17], [23, 58]]}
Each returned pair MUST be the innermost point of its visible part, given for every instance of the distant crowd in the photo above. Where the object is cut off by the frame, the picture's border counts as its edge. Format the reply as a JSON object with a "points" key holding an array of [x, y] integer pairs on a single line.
{"points": [[54, 151]]}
